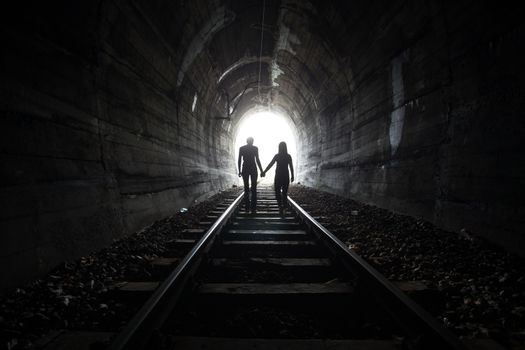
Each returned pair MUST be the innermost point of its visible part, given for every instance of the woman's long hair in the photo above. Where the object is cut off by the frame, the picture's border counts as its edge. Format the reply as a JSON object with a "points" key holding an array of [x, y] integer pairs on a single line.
{"points": [[282, 148]]}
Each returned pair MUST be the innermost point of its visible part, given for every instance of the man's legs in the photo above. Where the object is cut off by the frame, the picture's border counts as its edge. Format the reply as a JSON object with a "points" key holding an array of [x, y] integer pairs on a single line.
{"points": [[245, 179], [254, 177]]}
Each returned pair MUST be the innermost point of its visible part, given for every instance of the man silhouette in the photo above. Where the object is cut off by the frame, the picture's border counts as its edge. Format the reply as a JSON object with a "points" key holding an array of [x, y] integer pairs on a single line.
{"points": [[250, 154]]}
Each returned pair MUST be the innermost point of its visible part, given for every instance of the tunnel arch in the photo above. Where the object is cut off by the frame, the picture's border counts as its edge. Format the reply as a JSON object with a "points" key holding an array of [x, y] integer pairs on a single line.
{"points": [[115, 110]]}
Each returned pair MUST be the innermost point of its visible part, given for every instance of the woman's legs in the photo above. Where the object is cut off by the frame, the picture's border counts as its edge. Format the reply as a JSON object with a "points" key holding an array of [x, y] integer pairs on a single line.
{"points": [[277, 188], [281, 192], [284, 188]]}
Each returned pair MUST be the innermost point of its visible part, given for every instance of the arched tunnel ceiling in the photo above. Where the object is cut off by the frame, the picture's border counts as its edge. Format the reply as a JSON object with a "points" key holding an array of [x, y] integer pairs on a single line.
{"points": [[297, 63], [109, 111]]}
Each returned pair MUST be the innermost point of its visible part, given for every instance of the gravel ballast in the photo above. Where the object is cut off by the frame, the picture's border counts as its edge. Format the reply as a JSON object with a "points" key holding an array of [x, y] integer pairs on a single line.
{"points": [[481, 287], [80, 294]]}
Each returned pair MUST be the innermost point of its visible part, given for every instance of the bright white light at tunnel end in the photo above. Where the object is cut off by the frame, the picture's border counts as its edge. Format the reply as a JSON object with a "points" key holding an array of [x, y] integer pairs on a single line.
{"points": [[267, 129]]}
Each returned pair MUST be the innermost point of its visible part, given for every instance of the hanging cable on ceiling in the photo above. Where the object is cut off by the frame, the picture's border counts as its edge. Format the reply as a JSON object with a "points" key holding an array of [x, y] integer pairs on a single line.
{"points": [[260, 51]]}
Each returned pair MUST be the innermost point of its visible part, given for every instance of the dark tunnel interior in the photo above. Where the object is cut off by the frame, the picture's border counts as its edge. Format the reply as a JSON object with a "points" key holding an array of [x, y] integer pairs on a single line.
{"points": [[115, 113]]}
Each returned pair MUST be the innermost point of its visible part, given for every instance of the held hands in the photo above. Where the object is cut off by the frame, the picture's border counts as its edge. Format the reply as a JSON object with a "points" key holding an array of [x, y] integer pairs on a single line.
{"points": [[240, 174], [292, 179], [263, 174]]}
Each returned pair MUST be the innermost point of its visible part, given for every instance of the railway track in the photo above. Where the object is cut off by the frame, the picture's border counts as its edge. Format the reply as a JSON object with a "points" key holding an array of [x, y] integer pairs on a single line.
{"points": [[277, 281]]}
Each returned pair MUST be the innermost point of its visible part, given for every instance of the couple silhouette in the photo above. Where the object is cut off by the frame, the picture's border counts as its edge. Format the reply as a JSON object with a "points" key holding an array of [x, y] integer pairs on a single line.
{"points": [[249, 157]]}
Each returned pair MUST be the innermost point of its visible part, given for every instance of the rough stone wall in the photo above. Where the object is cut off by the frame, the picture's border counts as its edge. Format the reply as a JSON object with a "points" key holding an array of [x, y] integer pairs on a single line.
{"points": [[97, 138], [108, 112], [435, 125]]}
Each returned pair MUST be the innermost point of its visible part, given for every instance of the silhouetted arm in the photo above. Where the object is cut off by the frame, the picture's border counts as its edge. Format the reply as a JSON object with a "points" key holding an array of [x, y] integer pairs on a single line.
{"points": [[257, 160], [239, 161], [270, 165], [290, 163]]}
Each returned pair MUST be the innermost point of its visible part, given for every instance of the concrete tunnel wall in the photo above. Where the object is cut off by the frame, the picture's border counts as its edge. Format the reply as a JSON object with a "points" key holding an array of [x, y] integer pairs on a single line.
{"points": [[98, 141], [109, 113], [434, 127]]}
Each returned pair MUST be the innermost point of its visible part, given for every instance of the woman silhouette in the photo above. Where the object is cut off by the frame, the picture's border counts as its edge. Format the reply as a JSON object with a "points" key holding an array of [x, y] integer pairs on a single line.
{"points": [[282, 179]]}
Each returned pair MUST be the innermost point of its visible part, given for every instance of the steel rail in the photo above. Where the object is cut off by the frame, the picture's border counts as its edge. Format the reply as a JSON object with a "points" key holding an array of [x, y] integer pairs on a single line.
{"points": [[406, 310], [138, 332]]}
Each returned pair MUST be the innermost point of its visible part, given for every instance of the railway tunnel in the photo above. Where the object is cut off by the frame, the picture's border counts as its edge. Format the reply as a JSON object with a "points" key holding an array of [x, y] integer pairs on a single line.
{"points": [[117, 113]]}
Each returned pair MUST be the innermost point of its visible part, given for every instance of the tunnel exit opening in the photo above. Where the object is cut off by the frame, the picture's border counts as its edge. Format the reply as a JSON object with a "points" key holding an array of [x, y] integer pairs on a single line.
{"points": [[267, 129]]}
